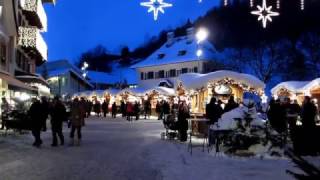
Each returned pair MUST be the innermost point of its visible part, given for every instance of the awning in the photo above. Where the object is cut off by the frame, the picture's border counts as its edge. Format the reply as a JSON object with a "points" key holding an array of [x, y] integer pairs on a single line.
{"points": [[15, 84], [32, 79]]}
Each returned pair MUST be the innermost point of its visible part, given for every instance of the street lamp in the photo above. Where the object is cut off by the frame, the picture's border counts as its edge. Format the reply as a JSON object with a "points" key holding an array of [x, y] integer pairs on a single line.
{"points": [[202, 35]]}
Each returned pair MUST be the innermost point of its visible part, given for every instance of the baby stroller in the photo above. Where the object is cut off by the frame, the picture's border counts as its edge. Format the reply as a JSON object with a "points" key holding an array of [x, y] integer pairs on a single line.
{"points": [[170, 124]]}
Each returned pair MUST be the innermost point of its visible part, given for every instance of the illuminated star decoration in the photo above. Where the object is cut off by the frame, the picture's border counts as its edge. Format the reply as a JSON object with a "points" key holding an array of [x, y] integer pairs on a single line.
{"points": [[264, 13], [156, 6]]}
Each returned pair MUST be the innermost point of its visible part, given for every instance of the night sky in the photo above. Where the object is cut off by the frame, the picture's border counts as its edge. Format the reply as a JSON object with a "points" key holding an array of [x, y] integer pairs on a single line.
{"points": [[79, 25]]}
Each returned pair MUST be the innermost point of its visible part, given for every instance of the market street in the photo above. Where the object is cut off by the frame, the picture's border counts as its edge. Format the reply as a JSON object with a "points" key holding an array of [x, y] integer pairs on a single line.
{"points": [[117, 149]]}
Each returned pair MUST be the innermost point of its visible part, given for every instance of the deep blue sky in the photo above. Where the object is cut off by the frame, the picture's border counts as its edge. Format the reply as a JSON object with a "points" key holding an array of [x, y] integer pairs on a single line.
{"points": [[78, 25]]}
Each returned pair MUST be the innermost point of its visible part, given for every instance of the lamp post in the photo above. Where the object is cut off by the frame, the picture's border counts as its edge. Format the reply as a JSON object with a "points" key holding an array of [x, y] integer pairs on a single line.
{"points": [[201, 35]]}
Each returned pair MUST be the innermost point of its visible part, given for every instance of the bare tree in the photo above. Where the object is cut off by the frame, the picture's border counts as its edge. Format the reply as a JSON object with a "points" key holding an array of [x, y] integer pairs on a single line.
{"points": [[265, 59], [309, 45]]}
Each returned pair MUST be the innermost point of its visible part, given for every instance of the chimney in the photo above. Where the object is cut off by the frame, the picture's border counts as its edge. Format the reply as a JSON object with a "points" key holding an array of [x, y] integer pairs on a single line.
{"points": [[190, 35], [170, 38]]}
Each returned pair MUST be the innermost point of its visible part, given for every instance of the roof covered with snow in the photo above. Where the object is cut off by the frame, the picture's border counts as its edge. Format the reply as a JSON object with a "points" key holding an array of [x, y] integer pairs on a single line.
{"points": [[118, 74], [296, 86], [197, 81], [140, 91], [180, 50], [59, 72]]}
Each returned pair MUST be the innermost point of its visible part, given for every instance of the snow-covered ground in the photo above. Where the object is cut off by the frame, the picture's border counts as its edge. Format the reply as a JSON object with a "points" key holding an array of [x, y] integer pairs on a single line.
{"points": [[117, 149]]}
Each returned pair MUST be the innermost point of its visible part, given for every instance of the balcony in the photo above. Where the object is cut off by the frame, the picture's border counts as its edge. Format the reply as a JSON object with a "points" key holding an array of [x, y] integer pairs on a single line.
{"points": [[35, 13], [32, 42], [49, 1]]}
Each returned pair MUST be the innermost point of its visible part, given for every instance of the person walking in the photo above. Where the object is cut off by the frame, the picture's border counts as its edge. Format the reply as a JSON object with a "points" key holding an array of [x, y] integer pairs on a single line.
{"points": [[147, 109], [114, 110], [77, 118], [165, 109], [158, 110], [183, 114], [105, 106], [123, 109], [137, 110], [97, 108], [46, 110], [88, 108], [58, 116], [5, 108], [36, 115], [129, 111]]}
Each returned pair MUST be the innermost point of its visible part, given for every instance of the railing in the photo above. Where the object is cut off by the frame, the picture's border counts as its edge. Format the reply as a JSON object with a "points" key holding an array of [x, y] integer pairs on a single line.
{"points": [[30, 37], [35, 9]]}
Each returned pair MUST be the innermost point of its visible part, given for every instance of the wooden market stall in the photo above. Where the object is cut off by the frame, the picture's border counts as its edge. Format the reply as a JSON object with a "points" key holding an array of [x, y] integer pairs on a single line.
{"points": [[297, 90], [220, 84]]}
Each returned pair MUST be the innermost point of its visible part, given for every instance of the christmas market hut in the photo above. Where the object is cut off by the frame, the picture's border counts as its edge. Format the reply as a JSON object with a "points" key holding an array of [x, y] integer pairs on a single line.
{"points": [[296, 90], [199, 88]]}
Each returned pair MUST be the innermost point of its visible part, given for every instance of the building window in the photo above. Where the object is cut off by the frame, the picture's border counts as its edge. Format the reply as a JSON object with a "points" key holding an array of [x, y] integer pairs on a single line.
{"points": [[182, 53], [195, 69], [3, 53], [172, 73], [184, 70], [161, 74], [161, 56], [150, 75], [142, 76]]}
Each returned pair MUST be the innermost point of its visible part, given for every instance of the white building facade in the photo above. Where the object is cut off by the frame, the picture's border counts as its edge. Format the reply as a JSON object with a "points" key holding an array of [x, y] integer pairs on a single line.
{"points": [[179, 55]]}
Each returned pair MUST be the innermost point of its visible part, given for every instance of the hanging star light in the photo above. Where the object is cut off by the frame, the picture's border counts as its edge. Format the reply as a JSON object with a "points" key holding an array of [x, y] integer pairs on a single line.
{"points": [[264, 13], [156, 6]]}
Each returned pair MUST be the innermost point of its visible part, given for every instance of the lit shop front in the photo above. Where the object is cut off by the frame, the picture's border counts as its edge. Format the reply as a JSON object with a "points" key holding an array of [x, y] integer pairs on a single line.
{"points": [[297, 90], [199, 88]]}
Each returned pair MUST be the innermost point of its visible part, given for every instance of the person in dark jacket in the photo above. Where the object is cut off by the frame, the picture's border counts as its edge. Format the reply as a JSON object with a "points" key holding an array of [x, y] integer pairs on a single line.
{"points": [[88, 108], [277, 116], [105, 106], [159, 110], [114, 110], [231, 105], [137, 110], [147, 109], [97, 108], [58, 116], [165, 109], [183, 114], [123, 109], [46, 110], [5, 108], [309, 112], [36, 114], [213, 111], [77, 119]]}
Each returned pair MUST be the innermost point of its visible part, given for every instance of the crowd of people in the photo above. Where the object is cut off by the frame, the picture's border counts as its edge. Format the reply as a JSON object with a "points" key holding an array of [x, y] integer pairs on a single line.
{"points": [[282, 115], [40, 111]]}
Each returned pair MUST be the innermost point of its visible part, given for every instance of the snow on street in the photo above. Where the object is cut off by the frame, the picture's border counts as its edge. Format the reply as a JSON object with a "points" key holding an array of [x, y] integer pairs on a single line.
{"points": [[117, 149]]}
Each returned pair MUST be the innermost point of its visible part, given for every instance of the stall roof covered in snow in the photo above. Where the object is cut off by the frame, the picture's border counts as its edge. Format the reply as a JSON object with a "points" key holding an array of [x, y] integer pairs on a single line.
{"points": [[119, 74], [180, 50], [140, 91], [197, 81], [101, 93], [296, 86]]}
